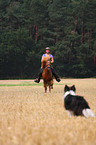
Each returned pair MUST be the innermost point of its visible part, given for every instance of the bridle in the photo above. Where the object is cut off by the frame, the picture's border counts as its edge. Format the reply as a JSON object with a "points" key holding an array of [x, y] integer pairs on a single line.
{"points": [[48, 65]]}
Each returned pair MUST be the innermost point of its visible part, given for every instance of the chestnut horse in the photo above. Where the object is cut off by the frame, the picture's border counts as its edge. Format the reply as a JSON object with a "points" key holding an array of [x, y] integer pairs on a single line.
{"points": [[47, 75]]}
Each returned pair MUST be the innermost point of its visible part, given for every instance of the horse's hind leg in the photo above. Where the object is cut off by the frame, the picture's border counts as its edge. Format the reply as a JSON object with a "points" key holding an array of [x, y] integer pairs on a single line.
{"points": [[45, 89], [50, 89], [51, 84]]}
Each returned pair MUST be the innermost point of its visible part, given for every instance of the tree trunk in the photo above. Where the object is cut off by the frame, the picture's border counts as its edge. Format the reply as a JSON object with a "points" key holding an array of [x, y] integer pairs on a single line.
{"points": [[95, 54], [36, 35], [94, 58], [70, 53], [82, 33]]}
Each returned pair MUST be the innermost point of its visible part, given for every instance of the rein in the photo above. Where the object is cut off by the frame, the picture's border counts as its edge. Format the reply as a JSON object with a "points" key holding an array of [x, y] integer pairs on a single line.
{"points": [[48, 66]]}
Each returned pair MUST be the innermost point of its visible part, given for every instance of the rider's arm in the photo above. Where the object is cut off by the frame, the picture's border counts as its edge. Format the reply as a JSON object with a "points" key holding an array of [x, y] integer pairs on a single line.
{"points": [[52, 60], [41, 59]]}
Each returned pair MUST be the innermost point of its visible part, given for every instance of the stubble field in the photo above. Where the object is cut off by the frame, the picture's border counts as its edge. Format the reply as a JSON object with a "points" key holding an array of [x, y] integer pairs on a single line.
{"points": [[28, 116]]}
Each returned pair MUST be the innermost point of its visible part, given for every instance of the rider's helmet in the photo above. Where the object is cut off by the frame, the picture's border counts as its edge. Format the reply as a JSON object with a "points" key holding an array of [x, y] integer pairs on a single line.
{"points": [[47, 48]]}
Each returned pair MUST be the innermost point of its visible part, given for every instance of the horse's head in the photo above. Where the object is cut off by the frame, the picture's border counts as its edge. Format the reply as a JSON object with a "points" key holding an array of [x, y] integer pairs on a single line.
{"points": [[46, 63]]}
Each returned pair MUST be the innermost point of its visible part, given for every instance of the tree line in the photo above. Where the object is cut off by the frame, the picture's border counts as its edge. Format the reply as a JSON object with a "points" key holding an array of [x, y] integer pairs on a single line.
{"points": [[27, 27]]}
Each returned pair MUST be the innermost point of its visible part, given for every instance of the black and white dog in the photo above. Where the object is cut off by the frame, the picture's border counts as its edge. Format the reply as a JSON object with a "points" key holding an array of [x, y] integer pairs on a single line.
{"points": [[74, 104]]}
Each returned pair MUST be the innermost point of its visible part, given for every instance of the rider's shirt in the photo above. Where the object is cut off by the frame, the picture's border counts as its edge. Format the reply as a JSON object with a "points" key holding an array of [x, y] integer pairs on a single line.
{"points": [[47, 56]]}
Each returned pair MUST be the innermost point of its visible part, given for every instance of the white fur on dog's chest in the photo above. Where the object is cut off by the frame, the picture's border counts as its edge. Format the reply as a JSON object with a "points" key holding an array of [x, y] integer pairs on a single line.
{"points": [[69, 92]]}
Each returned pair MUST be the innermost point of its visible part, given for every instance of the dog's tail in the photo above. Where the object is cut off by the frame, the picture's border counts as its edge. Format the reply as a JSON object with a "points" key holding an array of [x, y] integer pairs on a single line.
{"points": [[88, 113]]}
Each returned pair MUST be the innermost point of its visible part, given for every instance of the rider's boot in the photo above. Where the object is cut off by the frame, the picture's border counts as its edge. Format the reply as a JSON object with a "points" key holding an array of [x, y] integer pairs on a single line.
{"points": [[37, 80], [55, 75]]}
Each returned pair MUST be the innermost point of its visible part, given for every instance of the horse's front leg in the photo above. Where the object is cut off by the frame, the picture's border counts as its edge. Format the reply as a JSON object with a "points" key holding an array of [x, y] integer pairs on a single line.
{"points": [[45, 86], [45, 89]]}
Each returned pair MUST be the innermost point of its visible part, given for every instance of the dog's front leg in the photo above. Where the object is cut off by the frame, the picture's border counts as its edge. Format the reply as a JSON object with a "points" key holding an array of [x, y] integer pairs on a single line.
{"points": [[70, 113]]}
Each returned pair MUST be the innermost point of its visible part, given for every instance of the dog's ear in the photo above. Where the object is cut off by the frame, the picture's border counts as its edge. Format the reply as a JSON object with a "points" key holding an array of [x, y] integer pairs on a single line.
{"points": [[66, 88], [73, 88]]}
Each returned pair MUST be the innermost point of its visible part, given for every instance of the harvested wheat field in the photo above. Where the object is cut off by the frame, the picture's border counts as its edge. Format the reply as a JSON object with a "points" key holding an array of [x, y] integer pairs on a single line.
{"points": [[28, 116]]}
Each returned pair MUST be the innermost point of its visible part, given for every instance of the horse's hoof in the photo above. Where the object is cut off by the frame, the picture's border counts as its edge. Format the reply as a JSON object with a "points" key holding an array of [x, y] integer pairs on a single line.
{"points": [[51, 87]]}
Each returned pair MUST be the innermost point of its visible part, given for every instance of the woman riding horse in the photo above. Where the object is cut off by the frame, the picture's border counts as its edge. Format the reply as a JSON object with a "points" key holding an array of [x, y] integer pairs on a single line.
{"points": [[47, 75], [48, 56]]}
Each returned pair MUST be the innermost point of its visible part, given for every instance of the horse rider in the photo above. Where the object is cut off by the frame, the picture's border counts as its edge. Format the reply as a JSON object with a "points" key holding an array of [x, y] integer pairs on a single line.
{"points": [[47, 55]]}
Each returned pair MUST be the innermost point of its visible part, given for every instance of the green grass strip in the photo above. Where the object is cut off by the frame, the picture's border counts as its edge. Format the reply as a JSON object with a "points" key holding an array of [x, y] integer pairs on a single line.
{"points": [[12, 85], [27, 84]]}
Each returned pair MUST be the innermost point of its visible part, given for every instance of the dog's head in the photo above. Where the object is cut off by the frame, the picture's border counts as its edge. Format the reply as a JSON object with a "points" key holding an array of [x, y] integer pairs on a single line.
{"points": [[67, 88]]}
